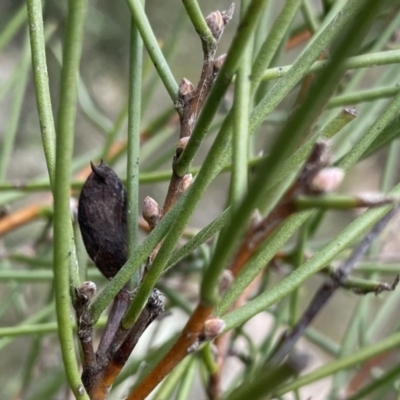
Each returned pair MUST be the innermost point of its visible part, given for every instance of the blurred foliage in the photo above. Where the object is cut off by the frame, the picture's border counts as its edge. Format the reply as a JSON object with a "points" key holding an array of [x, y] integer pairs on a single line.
{"points": [[31, 362]]}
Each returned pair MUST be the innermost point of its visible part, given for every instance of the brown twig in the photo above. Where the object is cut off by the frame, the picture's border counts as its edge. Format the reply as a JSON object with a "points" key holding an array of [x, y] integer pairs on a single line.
{"points": [[376, 287], [306, 85], [191, 99], [363, 287], [21, 217], [222, 344], [298, 39], [184, 345], [325, 292], [260, 231], [364, 373], [109, 365], [257, 234], [81, 303], [192, 334], [120, 305]]}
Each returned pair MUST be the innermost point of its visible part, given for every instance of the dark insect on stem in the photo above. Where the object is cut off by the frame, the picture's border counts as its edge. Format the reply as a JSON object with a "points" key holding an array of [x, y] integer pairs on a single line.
{"points": [[102, 217]]}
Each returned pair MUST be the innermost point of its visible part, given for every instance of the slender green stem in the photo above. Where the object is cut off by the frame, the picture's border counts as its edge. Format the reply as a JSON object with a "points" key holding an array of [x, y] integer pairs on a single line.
{"points": [[390, 133], [192, 197], [63, 247], [266, 381], [345, 362], [309, 268], [337, 202], [12, 27], [8, 84], [144, 178], [15, 113], [41, 80], [337, 123], [150, 41], [135, 92], [298, 260], [363, 96], [263, 29], [288, 227], [297, 127], [36, 328], [206, 233], [273, 41], [23, 330], [113, 133], [90, 110], [11, 294], [224, 78], [136, 260], [198, 21], [241, 111], [392, 164], [172, 380], [309, 16], [381, 42], [363, 61], [171, 44], [263, 257], [187, 381], [32, 360], [303, 64], [387, 377], [7, 334], [175, 298], [37, 275], [369, 111], [209, 358], [368, 138], [382, 268]]}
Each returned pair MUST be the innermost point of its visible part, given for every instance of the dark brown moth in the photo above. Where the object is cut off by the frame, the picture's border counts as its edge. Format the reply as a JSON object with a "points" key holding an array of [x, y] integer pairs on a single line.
{"points": [[102, 217]]}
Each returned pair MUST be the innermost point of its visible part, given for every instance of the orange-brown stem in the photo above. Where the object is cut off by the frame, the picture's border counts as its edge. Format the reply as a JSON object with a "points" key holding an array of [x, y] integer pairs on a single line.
{"points": [[298, 39], [21, 217], [222, 343], [188, 337]]}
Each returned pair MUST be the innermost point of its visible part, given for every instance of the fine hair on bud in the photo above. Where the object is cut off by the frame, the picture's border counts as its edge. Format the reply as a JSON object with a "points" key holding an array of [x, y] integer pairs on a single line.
{"points": [[327, 180], [88, 289]]}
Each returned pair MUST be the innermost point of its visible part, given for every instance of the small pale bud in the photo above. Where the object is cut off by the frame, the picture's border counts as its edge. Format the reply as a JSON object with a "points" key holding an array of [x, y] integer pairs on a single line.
{"points": [[225, 281], [185, 88], [88, 289], [327, 179], [213, 327], [218, 62], [185, 183], [217, 21], [151, 211], [157, 299], [216, 24]]}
